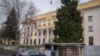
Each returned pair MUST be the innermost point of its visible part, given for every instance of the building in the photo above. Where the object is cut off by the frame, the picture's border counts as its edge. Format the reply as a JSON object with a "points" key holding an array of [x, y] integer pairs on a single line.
{"points": [[41, 30], [91, 18]]}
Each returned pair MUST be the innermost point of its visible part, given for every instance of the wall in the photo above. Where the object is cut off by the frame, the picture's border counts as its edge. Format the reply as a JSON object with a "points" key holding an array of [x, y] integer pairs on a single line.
{"points": [[92, 51], [95, 23]]}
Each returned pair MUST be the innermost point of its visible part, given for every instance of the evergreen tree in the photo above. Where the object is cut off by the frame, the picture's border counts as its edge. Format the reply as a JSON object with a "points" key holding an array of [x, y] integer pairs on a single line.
{"points": [[68, 26], [11, 27]]}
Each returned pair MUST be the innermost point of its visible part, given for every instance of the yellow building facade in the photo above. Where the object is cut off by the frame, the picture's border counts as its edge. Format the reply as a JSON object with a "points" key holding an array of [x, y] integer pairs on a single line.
{"points": [[42, 28]]}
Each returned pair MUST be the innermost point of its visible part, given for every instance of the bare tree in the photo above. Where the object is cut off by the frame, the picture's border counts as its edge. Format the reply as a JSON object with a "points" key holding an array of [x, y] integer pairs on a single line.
{"points": [[24, 11]]}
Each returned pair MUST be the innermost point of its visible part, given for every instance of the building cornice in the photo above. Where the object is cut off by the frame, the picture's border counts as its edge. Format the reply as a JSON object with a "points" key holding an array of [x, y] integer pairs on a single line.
{"points": [[89, 5]]}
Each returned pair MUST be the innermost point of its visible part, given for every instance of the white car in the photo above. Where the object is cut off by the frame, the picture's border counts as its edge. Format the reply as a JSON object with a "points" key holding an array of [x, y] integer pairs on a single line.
{"points": [[22, 52], [33, 53], [29, 53]]}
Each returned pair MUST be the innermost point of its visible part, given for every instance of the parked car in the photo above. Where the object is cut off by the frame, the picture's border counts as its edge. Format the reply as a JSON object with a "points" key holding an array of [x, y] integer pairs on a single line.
{"points": [[26, 52], [23, 53], [20, 52], [33, 53]]}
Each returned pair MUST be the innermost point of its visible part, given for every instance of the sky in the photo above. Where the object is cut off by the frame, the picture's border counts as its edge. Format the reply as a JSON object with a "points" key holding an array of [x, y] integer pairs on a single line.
{"points": [[44, 6]]}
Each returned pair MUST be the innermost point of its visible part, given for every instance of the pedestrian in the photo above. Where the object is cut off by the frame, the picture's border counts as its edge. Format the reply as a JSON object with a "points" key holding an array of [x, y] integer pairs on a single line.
{"points": [[52, 53]]}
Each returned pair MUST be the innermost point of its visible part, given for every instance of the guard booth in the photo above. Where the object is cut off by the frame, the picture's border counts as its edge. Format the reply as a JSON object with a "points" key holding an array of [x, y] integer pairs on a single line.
{"points": [[63, 49]]}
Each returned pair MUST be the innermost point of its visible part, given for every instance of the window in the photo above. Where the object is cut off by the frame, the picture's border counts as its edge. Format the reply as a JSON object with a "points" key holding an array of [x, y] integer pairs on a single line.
{"points": [[25, 29], [49, 40], [30, 41], [39, 41], [90, 40], [90, 18], [39, 25], [34, 41], [28, 28], [54, 16], [27, 41], [35, 26], [31, 33], [28, 34], [43, 40], [49, 23], [24, 34], [39, 32], [35, 33], [24, 42], [43, 24], [44, 32], [50, 31], [90, 28]]}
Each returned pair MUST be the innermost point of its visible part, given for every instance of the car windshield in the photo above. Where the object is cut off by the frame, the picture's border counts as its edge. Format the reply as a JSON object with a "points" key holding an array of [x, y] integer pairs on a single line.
{"points": [[33, 52]]}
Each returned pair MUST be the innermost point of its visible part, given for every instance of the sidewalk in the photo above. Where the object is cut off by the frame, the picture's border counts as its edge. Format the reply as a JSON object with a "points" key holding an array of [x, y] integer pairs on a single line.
{"points": [[5, 53]]}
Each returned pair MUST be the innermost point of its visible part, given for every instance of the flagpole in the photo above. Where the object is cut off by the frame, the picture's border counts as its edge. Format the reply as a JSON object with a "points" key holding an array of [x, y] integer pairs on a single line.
{"points": [[50, 5]]}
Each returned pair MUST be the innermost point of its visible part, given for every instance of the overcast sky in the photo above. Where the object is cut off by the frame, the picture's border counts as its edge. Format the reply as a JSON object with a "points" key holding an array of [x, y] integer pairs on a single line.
{"points": [[44, 5]]}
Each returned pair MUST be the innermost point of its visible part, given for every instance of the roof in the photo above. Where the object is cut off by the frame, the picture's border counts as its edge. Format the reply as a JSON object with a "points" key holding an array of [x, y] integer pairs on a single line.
{"points": [[89, 5]]}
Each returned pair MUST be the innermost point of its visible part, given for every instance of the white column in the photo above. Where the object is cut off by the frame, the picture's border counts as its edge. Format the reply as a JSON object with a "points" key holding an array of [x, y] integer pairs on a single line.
{"points": [[52, 36], [47, 35], [41, 34], [25, 42], [28, 41], [41, 37], [37, 36]]}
